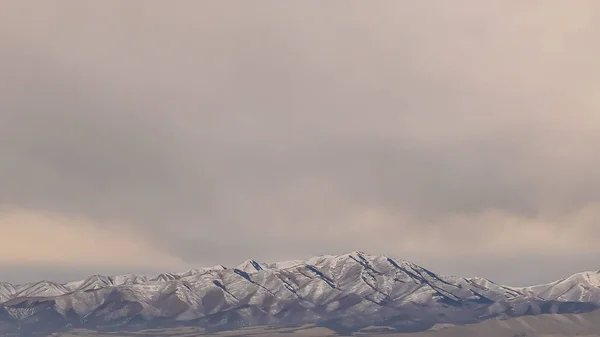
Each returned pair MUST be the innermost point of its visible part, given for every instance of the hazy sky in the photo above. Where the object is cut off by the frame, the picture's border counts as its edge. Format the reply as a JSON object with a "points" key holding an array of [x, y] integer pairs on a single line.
{"points": [[152, 136]]}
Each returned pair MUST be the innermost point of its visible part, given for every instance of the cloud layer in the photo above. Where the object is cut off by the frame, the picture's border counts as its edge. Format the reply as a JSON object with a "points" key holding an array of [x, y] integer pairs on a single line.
{"points": [[447, 133]]}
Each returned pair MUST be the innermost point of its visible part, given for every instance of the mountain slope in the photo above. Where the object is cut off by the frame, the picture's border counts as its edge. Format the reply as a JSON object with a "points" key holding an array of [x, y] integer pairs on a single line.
{"points": [[581, 287], [342, 292]]}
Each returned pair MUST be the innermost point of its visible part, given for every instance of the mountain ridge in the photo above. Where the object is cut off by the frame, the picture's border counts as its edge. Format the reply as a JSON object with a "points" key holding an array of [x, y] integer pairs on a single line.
{"points": [[342, 292]]}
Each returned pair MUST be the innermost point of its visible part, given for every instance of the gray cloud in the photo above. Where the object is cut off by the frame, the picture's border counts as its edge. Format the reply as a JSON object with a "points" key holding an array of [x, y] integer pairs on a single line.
{"points": [[224, 131]]}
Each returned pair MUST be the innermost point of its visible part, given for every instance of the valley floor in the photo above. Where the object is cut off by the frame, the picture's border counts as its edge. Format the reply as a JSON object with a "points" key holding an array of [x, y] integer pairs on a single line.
{"points": [[580, 325]]}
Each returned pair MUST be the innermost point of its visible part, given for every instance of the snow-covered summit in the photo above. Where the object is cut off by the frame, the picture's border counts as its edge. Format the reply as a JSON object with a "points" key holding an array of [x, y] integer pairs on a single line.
{"points": [[580, 287]]}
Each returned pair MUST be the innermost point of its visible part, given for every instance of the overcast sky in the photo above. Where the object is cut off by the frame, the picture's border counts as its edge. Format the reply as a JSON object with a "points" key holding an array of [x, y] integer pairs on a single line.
{"points": [[146, 136]]}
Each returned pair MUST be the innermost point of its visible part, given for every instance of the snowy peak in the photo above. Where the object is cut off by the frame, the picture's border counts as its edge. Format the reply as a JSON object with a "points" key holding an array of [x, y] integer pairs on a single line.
{"points": [[129, 279], [285, 264], [592, 278], [580, 287], [7, 291], [165, 277], [251, 266], [40, 289], [193, 272]]}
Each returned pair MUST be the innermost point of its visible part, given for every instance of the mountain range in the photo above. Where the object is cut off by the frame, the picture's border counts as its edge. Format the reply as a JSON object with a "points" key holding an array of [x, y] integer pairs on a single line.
{"points": [[344, 293]]}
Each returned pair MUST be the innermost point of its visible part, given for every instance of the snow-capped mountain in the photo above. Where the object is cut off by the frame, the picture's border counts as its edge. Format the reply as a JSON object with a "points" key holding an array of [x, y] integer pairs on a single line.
{"points": [[581, 287], [342, 292]]}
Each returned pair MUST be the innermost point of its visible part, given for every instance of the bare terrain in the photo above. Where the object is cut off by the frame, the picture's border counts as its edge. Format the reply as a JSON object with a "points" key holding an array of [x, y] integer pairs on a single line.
{"points": [[581, 325]]}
